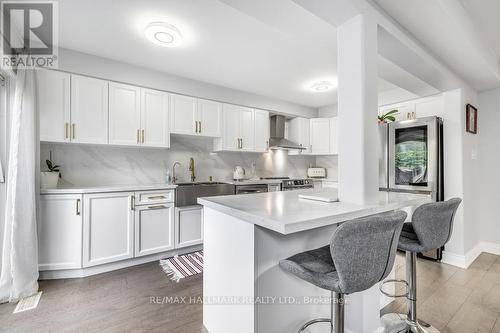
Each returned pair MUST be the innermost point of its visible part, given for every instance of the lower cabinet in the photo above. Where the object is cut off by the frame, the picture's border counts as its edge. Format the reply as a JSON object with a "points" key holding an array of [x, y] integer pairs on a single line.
{"points": [[60, 232], [108, 228], [188, 226], [154, 226]]}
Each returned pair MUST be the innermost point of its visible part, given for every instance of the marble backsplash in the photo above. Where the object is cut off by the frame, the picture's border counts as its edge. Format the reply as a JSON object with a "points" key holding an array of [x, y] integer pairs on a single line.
{"points": [[89, 165]]}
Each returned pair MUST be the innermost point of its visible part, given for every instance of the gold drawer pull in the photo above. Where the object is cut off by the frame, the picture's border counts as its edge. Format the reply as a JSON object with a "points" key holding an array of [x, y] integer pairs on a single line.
{"points": [[157, 207], [157, 197]]}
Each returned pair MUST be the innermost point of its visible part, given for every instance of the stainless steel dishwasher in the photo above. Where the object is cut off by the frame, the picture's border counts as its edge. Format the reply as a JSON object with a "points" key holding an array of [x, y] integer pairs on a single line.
{"points": [[248, 189]]}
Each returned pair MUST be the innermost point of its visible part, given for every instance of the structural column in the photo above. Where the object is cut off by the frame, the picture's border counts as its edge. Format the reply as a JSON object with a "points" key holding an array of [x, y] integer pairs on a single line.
{"points": [[357, 110]]}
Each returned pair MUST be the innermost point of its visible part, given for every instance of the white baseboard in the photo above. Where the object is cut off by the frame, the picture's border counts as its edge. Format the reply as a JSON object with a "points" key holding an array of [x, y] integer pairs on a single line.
{"points": [[464, 261]]}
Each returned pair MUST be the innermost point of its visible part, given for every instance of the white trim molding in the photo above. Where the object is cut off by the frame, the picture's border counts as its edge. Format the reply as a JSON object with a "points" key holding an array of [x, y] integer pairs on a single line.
{"points": [[464, 261]]}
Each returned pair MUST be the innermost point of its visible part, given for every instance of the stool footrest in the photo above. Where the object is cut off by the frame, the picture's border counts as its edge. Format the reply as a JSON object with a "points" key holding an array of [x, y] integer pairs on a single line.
{"points": [[314, 321], [395, 281]]}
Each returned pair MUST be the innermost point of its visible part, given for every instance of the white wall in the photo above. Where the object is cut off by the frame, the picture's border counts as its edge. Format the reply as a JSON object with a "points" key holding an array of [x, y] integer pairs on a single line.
{"points": [[81, 63], [488, 158]]}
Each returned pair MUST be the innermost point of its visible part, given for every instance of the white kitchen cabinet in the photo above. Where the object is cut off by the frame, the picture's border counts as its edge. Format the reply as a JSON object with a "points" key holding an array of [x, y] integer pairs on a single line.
{"points": [[238, 129], [261, 130], [320, 136], [154, 118], [188, 226], [89, 110], [299, 132], [154, 228], [183, 114], [209, 117], [54, 105], [124, 114], [60, 232], [108, 228]]}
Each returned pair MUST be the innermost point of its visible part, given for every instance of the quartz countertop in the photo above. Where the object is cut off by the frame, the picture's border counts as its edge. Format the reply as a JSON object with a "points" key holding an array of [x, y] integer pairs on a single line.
{"points": [[75, 189], [286, 213]]}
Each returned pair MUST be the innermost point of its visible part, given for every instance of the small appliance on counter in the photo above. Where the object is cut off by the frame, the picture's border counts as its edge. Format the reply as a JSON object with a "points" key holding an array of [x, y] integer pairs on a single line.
{"points": [[238, 173], [316, 172]]}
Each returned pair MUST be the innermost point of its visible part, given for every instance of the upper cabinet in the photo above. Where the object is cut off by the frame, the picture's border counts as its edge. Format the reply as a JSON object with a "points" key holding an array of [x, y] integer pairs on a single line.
{"points": [[138, 116], [73, 108], [261, 130], [238, 129], [192, 116], [54, 105], [318, 135], [89, 110]]}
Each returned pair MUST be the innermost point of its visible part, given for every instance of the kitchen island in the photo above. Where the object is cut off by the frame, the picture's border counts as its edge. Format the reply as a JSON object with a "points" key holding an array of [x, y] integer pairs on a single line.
{"points": [[245, 237]]}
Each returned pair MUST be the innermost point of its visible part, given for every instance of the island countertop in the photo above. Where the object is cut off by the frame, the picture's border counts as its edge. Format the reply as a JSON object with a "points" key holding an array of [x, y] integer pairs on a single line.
{"points": [[286, 213]]}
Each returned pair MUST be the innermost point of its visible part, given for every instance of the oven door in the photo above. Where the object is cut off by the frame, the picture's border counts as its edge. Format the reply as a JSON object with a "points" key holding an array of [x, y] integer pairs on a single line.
{"points": [[249, 189], [413, 154]]}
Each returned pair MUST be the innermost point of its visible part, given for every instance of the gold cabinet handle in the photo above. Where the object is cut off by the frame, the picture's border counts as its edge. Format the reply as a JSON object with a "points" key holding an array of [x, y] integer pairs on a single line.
{"points": [[142, 136], [73, 131], [195, 126], [241, 140], [66, 130], [199, 131], [132, 202], [157, 207], [138, 136], [156, 197], [78, 212]]}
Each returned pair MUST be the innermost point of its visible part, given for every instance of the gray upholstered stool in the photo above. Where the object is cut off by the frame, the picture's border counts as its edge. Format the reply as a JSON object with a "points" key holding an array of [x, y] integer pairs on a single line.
{"points": [[430, 229], [361, 253]]}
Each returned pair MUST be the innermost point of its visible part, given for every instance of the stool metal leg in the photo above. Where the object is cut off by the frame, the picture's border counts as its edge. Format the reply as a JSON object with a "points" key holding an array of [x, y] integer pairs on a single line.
{"points": [[408, 324], [336, 314]]}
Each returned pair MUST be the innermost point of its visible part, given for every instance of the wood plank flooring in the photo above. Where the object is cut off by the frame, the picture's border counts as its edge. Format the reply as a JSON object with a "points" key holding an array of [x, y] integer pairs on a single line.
{"points": [[452, 299]]}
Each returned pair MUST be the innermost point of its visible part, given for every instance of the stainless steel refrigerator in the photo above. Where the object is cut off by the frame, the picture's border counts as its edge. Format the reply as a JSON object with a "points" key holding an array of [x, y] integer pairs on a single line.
{"points": [[411, 159]]}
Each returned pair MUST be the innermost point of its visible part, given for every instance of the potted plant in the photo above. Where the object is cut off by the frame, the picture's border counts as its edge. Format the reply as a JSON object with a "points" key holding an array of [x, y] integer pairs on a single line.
{"points": [[387, 117], [50, 178]]}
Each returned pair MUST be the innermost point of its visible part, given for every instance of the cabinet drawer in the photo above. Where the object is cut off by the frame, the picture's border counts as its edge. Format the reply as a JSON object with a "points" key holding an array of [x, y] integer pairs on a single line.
{"points": [[152, 197]]}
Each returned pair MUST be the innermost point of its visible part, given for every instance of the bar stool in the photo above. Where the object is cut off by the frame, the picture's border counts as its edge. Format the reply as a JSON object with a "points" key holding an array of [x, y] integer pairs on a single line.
{"points": [[361, 253], [430, 228]]}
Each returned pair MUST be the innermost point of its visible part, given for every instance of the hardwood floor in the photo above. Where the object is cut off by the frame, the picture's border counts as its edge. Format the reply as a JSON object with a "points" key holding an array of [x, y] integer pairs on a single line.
{"points": [[452, 299], [455, 300]]}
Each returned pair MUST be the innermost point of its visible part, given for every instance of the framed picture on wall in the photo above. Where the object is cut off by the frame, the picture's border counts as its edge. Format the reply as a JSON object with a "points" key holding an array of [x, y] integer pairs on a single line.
{"points": [[471, 119]]}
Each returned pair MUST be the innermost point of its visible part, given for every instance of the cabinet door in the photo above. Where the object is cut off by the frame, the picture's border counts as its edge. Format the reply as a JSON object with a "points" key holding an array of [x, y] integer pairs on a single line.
{"points": [[89, 110], [230, 127], [108, 228], [182, 114], [320, 136], [60, 232], [124, 114], [247, 129], [54, 105], [261, 130], [333, 136], [209, 116], [299, 132], [188, 226], [154, 229], [154, 118]]}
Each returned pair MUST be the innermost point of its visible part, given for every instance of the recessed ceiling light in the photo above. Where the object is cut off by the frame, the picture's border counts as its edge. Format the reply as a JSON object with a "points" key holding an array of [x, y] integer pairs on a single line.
{"points": [[322, 86], [163, 34]]}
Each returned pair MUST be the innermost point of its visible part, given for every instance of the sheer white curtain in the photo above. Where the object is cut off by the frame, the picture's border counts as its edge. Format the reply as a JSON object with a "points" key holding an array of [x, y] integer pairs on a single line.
{"points": [[19, 272]]}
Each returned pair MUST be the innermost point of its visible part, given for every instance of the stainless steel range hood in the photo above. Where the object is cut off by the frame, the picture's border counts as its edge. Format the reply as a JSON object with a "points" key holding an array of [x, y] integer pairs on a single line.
{"points": [[277, 139]]}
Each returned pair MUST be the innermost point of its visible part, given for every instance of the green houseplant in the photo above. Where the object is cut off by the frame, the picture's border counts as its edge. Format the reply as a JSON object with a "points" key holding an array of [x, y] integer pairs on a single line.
{"points": [[50, 178], [387, 117]]}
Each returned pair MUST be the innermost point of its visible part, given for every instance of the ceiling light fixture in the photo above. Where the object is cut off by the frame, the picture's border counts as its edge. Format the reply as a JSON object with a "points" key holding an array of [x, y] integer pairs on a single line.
{"points": [[163, 34], [322, 86]]}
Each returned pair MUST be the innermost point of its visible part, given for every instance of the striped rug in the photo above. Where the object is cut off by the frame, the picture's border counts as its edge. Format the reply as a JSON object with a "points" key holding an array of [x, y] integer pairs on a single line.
{"points": [[180, 267]]}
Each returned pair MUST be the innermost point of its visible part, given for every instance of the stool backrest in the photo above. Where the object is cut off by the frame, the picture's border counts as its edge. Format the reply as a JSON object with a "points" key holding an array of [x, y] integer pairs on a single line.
{"points": [[363, 250], [433, 222]]}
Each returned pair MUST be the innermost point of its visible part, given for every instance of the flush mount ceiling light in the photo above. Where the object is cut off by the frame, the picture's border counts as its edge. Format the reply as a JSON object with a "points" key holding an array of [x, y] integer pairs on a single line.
{"points": [[163, 34], [321, 86]]}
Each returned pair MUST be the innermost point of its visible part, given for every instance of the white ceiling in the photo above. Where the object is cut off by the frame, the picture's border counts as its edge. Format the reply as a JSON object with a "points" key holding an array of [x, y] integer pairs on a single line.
{"points": [[463, 34], [276, 51]]}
